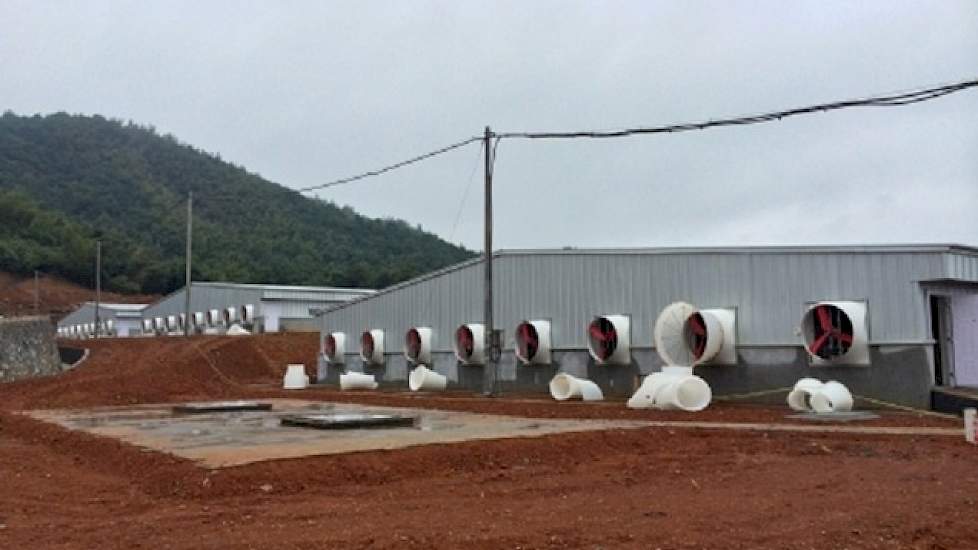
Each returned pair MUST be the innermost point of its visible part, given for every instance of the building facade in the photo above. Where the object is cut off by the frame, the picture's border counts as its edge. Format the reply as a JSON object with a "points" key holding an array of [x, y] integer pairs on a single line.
{"points": [[273, 307], [919, 307], [116, 319]]}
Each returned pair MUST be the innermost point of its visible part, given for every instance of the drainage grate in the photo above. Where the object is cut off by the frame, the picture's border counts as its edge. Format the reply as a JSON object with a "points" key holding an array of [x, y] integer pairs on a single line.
{"points": [[221, 406], [348, 421]]}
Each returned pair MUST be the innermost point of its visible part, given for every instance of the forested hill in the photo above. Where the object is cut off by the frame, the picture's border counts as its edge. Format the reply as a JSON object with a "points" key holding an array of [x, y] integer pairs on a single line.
{"points": [[67, 180]]}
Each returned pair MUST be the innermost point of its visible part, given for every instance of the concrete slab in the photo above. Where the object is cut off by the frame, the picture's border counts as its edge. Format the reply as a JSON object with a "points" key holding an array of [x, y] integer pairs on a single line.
{"points": [[221, 406], [221, 439]]}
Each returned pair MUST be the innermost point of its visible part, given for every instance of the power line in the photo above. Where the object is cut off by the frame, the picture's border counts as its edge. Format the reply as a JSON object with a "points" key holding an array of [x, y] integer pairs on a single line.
{"points": [[893, 100], [394, 166], [465, 194], [889, 100]]}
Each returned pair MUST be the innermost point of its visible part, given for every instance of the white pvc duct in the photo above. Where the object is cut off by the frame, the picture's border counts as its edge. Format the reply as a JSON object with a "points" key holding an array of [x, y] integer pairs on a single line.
{"points": [[674, 388], [372, 347], [425, 379], [564, 387], [798, 398], [609, 339], [832, 397], [334, 347], [533, 342], [417, 345], [686, 335], [470, 344], [295, 378], [810, 394], [357, 381]]}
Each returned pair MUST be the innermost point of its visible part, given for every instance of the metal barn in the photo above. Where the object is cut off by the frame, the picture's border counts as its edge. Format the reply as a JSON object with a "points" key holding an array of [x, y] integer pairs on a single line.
{"points": [[793, 312], [262, 308], [116, 319]]}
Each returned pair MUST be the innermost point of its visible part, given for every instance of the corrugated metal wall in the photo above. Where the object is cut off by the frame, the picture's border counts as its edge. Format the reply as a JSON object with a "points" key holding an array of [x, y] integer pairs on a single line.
{"points": [[203, 298], [769, 288]]}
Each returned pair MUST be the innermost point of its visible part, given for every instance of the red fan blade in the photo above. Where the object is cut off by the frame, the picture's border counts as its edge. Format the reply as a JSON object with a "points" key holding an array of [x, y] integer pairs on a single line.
{"points": [[597, 333], [696, 323], [824, 320], [818, 344], [843, 337]]}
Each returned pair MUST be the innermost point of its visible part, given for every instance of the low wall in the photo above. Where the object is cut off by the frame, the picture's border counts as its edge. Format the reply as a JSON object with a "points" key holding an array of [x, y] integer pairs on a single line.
{"points": [[27, 348], [898, 374]]}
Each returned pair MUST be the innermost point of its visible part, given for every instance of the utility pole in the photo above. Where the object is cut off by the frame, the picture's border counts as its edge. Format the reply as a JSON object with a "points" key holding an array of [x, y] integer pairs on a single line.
{"points": [[37, 294], [187, 321], [98, 283], [489, 374]]}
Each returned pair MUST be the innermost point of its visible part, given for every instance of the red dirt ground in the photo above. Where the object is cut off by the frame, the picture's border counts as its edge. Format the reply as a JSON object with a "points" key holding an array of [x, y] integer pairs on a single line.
{"points": [[647, 488], [58, 297]]}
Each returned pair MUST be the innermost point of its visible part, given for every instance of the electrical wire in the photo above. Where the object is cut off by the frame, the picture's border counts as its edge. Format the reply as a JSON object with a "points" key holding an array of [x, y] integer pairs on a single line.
{"points": [[889, 100], [892, 100], [465, 195], [390, 167]]}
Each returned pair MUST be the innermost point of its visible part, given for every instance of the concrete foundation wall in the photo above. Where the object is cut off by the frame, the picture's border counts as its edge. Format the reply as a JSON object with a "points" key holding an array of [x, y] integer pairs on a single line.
{"points": [[898, 374], [27, 348]]}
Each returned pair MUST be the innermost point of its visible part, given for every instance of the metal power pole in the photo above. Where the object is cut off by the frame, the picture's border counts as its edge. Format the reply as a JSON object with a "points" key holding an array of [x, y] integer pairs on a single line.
{"points": [[187, 321], [489, 374], [98, 284]]}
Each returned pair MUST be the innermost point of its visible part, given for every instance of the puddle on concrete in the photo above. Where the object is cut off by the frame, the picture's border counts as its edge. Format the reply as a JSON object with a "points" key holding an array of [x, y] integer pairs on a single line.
{"points": [[218, 439]]}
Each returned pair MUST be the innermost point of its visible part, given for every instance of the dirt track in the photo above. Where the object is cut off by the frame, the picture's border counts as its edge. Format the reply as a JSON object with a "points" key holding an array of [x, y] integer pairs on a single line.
{"points": [[650, 488]]}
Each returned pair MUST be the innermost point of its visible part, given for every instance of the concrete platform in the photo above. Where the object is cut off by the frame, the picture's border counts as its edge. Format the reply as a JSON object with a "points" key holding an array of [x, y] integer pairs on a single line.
{"points": [[221, 439]]}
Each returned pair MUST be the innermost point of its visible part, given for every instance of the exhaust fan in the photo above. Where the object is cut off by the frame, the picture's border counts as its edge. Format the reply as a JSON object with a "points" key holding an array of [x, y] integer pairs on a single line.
{"points": [[147, 325], [417, 345], [334, 347], [159, 324], [230, 315], [533, 342], [214, 317], [685, 335], [171, 323], [836, 333], [372, 347], [609, 340], [248, 313], [470, 344], [199, 319]]}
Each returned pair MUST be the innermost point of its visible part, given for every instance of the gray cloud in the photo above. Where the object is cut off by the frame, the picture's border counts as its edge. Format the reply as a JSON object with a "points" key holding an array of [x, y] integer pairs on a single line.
{"points": [[305, 92]]}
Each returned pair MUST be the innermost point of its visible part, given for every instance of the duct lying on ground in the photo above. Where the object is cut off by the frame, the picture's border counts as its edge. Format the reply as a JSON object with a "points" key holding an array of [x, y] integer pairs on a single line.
{"points": [[425, 379], [295, 378], [810, 394], [564, 387], [674, 388], [357, 381]]}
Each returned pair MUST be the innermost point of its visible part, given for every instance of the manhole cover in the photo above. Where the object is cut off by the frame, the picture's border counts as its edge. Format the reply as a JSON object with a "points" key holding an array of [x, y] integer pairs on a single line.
{"points": [[848, 416], [221, 406], [347, 421]]}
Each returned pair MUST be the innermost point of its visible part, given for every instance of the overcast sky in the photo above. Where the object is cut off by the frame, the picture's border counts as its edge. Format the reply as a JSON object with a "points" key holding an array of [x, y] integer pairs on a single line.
{"points": [[305, 92]]}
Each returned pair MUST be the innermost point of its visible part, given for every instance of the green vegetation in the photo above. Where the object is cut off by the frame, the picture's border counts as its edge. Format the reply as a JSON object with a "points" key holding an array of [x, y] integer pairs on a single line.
{"points": [[67, 180]]}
